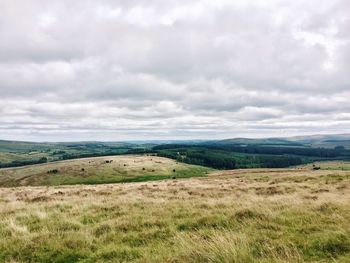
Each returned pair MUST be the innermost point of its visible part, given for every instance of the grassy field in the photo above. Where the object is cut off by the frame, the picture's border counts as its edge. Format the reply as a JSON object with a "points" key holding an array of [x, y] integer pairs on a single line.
{"points": [[97, 170], [12, 152], [340, 165], [7, 157], [257, 215]]}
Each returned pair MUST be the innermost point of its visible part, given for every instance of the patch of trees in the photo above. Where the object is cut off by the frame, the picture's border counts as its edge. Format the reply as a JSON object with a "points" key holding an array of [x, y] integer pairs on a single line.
{"points": [[227, 160], [205, 158], [58, 152], [278, 161], [268, 150], [302, 151], [87, 155], [140, 151], [18, 163]]}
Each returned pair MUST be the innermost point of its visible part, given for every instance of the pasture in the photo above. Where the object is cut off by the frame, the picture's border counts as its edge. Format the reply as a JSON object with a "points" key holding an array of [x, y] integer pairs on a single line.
{"points": [[97, 170], [253, 215]]}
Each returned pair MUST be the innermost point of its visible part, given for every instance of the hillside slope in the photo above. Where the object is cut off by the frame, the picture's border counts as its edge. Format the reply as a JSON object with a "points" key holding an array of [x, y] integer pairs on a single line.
{"points": [[97, 170]]}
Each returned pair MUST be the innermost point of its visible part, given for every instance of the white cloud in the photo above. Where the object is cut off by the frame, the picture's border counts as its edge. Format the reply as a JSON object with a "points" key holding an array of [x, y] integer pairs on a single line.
{"points": [[112, 70]]}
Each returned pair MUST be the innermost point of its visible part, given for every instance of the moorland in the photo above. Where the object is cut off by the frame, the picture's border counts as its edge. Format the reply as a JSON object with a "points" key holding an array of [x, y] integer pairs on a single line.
{"points": [[238, 200], [251, 215]]}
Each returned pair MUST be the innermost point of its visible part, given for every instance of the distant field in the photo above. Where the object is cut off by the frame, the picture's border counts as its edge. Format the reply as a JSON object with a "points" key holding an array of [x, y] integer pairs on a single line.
{"points": [[97, 170], [16, 154], [339, 165], [252, 215], [7, 157]]}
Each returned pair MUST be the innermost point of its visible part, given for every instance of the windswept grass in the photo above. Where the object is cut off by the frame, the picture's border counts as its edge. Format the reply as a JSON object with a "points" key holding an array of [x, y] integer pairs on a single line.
{"points": [[295, 215]]}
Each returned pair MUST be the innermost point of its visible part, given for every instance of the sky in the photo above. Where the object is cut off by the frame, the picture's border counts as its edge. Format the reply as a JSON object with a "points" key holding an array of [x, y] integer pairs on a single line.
{"points": [[137, 70]]}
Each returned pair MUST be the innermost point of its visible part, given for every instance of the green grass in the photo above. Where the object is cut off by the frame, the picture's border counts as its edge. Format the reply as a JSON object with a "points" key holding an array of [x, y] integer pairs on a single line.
{"points": [[332, 165], [257, 215], [124, 168], [10, 157], [223, 218]]}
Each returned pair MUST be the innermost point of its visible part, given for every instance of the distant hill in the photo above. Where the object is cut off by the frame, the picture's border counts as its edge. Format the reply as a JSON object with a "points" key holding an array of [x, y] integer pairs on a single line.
{"points": [[18, 153], [327, 141], [100, 170], [21, 153], [324, 141], [263, 141]]}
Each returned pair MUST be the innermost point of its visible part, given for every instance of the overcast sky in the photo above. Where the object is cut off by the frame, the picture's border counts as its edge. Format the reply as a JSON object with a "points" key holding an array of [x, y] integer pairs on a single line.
{"points": [[175, 69]]}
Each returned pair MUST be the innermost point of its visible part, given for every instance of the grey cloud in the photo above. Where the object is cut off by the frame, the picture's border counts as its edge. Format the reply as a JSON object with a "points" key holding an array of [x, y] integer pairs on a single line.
{"points": [[112, 69]]}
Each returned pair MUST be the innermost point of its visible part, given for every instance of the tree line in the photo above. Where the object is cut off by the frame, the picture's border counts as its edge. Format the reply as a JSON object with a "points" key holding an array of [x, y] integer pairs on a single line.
{"points": [[18, 163], [268, 150], [227, 160]]}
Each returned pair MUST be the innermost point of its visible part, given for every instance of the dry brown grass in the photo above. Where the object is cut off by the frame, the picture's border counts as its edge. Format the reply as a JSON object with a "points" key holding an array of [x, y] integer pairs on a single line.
{"points": [[256, 215]]}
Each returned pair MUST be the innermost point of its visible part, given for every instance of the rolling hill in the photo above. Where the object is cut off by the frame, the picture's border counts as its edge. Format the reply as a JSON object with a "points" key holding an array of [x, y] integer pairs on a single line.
{"points": [[97, 170]]}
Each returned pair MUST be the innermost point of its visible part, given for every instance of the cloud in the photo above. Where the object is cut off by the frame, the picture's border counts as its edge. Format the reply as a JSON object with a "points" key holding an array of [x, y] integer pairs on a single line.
{"points": [[111, 70]]}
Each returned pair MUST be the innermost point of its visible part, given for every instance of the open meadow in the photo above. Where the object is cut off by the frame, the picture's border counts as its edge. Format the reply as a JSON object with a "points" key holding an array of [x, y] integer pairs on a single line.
{"points": [[254, 215], [97, 170]]}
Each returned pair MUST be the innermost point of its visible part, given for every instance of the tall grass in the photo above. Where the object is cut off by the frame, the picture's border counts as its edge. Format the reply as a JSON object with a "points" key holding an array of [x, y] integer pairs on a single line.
{"points": [[240, 216]]}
